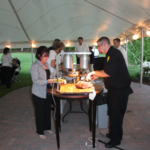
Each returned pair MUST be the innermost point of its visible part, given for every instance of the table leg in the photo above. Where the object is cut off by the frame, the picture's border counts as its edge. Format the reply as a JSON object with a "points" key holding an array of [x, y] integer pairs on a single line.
{"points": [[57, 117], [89, 111], [94, 122], [81, 105], [70, 104], [59, 122]]}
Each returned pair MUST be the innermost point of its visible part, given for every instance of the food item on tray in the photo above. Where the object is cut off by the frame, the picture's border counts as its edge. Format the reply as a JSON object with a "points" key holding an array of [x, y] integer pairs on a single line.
{"points": [[59, 80], [83, 85]]}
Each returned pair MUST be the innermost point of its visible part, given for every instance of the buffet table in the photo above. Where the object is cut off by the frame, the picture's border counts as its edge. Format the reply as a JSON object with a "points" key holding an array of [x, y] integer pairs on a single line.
{"points": [[91, 110]]}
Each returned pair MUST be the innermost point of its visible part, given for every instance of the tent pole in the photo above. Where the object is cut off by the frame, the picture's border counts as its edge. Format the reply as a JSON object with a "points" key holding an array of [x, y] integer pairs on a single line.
{"points": [[127, 49], [32, 54], [142, 43]]}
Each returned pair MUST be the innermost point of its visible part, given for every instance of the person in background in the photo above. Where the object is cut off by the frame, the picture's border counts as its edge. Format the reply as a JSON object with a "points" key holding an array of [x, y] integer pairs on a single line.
{"points": [[80, 47], [40, 73], [55, 41], [52, 59], [121, 49], [6, 60], [96, 52], [62, 46], [91, 59], [16, 64], [117, 80]]}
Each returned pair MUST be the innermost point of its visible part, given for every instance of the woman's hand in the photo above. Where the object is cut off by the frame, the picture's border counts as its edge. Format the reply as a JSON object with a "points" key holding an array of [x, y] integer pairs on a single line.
{"points": [[49, 81]]}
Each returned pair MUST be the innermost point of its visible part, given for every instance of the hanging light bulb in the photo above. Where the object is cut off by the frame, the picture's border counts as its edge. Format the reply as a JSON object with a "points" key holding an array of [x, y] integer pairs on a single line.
{"points": [[67, 44], [95, 43], [148, 32], [33, 45], [8, 46], [135, 37], [121, 43]]}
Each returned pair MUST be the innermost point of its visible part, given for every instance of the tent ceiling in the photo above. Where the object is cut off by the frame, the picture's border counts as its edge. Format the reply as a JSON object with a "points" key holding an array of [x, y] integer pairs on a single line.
{"points": [[45, 20]]}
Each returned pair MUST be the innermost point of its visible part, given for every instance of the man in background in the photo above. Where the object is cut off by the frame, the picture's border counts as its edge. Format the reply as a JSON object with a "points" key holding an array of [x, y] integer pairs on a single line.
{"points": [[80, 47], [121, 49]]}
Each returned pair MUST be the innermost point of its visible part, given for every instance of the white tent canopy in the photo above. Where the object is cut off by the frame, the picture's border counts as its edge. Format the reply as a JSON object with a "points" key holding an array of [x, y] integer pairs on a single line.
{"points": [[41, 21]]}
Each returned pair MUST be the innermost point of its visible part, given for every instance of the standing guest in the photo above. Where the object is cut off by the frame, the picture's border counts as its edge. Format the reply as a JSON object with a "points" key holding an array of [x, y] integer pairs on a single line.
{"points": [[91, 59], [122, 50], [81, 47], [6, 60], [52, 59], [55, 41], [117, 80], [62, 46], [40, 73]]}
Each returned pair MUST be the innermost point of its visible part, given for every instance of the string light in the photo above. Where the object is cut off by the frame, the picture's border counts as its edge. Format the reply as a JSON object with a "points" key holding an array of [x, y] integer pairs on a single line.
{"points": [[135, 37]]}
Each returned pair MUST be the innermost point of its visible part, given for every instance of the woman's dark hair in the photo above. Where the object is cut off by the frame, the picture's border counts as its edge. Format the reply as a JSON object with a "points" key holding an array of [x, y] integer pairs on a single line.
{"points": [[40, 51], [5, 51]]}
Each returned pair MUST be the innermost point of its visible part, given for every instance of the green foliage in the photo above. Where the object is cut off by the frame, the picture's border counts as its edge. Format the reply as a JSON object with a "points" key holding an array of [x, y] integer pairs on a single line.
{"points": [[146, 78], [132, 77], [136, 49], [146, 70], [69, 48], [137, 75]]}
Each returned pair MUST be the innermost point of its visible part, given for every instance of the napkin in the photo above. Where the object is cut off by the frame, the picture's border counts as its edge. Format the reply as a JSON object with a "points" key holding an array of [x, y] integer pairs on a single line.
{"points": [[92, 95]]}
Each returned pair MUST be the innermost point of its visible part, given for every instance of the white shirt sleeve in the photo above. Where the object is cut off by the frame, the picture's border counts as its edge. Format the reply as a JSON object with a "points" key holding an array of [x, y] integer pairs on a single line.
{"points": [[124, 53]]}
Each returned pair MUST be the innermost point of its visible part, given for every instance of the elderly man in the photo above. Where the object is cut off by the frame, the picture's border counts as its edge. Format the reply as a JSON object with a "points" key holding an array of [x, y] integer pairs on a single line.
{"points": [[117, 81], [119, 47], [81, 47]]}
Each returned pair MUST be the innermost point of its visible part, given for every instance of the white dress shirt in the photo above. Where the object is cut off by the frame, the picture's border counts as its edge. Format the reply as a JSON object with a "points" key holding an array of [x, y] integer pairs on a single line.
{"points": [[6, 60], [81, 48], [52, 56], [123, 51]]}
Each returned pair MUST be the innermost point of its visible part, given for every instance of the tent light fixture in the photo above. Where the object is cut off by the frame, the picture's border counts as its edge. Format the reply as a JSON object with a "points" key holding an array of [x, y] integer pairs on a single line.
{"points": [[148, 32], [33, 45], [135, 37], [8, 46]]}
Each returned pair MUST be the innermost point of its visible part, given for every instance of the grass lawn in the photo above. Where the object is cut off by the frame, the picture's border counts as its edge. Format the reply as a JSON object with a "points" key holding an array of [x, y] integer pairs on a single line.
{"points": [[25, 77]]}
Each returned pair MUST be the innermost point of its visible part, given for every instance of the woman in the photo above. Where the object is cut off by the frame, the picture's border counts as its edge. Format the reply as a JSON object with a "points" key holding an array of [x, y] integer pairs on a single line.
{"points": [[52, 59], [6, 67], [40, 74]]}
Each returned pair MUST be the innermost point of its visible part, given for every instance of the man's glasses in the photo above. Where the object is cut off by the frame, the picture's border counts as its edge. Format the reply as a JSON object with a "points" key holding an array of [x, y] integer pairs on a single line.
{"points": [[99, 45]]}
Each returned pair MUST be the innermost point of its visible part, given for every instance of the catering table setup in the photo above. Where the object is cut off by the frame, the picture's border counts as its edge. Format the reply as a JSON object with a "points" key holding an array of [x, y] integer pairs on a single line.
{"points": [[80, 89]]}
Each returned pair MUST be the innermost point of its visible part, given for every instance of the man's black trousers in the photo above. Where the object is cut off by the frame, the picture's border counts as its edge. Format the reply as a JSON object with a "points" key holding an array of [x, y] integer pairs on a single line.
{"points": [[117, 104]]}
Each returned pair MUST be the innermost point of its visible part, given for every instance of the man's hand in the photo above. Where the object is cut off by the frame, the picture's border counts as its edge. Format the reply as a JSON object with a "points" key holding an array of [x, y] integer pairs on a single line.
{"points": [[93, 77], [89, 76]]}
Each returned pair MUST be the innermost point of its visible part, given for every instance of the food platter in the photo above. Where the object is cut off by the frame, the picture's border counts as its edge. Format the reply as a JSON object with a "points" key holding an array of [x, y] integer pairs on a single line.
{"points": [[71, 88]]}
